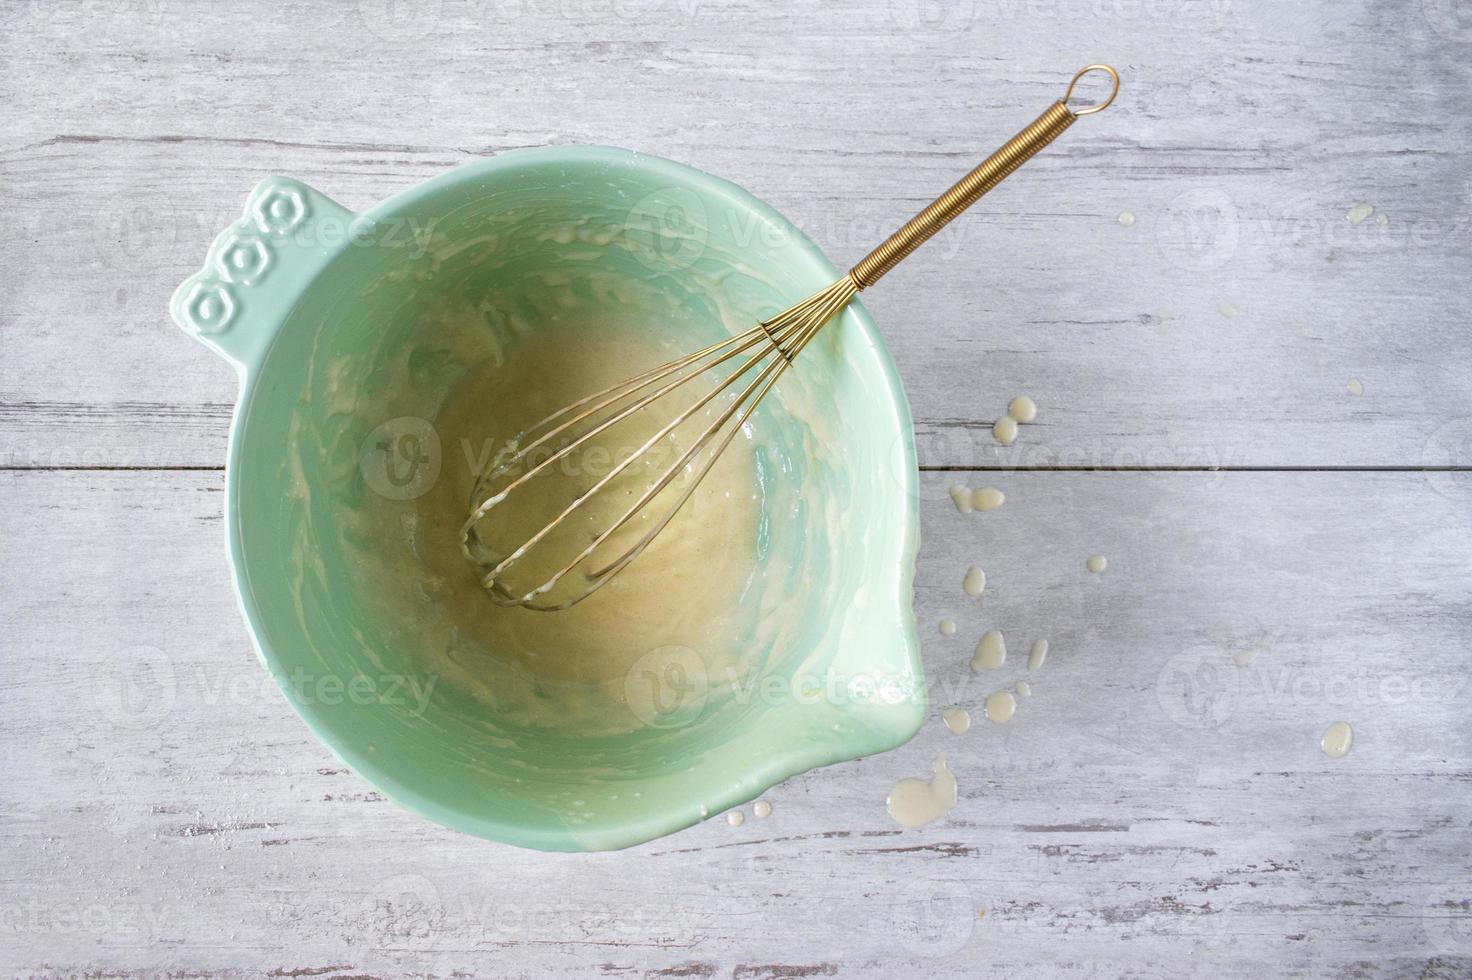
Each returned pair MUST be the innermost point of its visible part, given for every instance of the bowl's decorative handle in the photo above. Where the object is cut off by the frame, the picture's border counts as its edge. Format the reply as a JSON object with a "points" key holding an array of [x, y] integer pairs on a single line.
{"points": [[257, 268]]}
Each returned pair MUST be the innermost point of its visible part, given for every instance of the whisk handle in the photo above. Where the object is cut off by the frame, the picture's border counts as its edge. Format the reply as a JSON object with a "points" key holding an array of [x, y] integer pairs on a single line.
{"points": [[988, 174]]}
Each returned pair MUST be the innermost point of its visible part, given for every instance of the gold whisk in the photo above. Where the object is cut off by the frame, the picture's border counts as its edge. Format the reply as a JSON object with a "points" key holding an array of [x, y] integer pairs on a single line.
{"points": [[770, 346]]}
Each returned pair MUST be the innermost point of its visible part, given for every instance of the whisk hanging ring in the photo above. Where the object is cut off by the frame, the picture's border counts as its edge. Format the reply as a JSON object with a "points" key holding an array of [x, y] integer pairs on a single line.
{"points": [[1099, 107]]}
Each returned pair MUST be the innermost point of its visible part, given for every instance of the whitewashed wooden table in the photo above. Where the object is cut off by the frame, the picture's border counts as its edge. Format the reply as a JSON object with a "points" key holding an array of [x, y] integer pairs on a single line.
{"points": [[1283, 553]]}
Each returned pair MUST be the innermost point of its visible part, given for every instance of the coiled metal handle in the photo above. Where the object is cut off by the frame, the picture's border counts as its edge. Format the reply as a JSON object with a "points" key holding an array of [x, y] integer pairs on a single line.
{"points": [[988, 174]]}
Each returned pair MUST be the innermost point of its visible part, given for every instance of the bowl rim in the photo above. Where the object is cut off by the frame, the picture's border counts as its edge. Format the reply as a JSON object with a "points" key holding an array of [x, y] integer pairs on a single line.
{"points": [[617, 835]]}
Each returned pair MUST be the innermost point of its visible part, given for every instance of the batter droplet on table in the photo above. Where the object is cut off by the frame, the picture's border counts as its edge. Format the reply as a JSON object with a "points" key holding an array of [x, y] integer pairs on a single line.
{"points": [[961, 497], [1000, 707], [991, 652], [1022, 409], [987, 498], [1337, 740], [915, 802]]}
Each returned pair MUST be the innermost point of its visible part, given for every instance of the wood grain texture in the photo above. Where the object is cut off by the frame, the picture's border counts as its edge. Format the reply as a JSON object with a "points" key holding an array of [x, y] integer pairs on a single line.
{"points": [[1160, 806], [1220, 329]]}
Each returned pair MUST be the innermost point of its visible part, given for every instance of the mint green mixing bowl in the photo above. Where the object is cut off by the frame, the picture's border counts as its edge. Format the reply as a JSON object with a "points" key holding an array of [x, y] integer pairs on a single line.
{"points": [[299, 283]]}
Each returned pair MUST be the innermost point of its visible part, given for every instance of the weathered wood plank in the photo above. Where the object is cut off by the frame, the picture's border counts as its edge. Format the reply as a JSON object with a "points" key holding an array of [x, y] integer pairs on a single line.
{"points": [[1222, 328], [1155, 810], [1158, 808]]}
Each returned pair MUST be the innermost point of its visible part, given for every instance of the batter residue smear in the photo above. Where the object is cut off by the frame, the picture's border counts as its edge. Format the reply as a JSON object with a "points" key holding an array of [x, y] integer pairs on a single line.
{"points": [[1004, 430], [1360, 212], [1126, 218], [1024, 689], [761, 809], [961, 497], [1037, 655], [466, 370], [1000, 707], [915, 802], [1097, 564], [1023, 409], [987, 498], [947, 627], [1356, 386], [958, 720], [991, 652], [1337, 740], [974, 582]]}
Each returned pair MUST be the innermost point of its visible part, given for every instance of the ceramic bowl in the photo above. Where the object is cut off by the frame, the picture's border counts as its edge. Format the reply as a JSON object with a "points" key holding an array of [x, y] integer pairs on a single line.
{"points": [[299, 286]]}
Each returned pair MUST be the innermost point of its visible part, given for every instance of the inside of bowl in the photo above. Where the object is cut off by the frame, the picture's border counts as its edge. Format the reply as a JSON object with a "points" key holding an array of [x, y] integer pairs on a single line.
{"points": [[479, 302]]}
